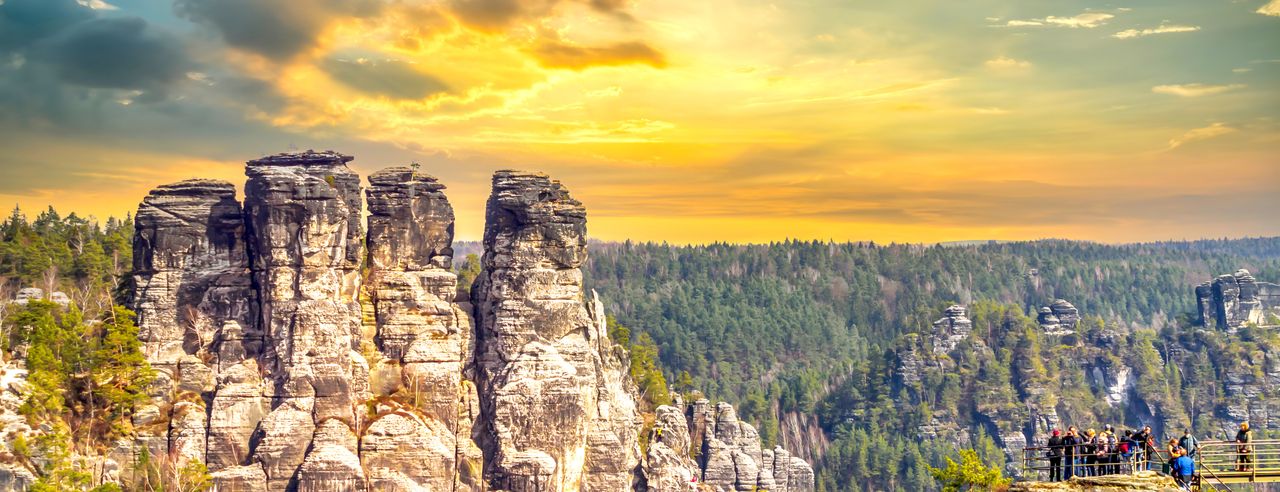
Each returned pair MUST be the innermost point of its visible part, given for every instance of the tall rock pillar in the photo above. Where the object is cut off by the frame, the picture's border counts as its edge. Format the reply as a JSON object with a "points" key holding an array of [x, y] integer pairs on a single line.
{"points": [[304, 218], [422, 434], [556, 412], [192, 295]]}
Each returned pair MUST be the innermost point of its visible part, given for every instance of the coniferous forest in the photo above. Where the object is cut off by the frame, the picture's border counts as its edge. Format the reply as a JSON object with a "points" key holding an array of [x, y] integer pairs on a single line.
{"points": [[823, 346]]}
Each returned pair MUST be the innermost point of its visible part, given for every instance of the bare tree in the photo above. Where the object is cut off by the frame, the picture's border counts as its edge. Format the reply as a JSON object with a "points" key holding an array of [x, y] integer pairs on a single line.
{"points": [[50, 280]]}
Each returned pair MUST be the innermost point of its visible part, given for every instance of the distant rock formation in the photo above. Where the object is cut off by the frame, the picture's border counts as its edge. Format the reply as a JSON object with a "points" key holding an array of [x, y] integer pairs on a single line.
{"points": [[295, 351], [1059, 318], [729, 454], [951, 329], [1231, 301]]}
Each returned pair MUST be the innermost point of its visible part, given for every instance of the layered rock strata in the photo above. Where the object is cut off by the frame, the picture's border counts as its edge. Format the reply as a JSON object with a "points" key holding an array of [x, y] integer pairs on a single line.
{"points": [[296, 352], [557, 409], [1229, 302], [1058, 318], [423, 338], [729, 454]]}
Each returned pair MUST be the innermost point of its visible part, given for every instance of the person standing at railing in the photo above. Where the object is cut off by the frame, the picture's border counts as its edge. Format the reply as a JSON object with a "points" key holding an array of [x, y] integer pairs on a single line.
{"points": [[1149, 446], [1069, 446], [1055, 457], [1189, 443], [1089, 449], [1128, 448], [1183, 469], [1140, 449], [1244, 448]]}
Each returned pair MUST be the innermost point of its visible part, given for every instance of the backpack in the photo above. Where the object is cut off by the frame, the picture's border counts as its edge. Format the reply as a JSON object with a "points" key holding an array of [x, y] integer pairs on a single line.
{"points": [[1124, 447]]}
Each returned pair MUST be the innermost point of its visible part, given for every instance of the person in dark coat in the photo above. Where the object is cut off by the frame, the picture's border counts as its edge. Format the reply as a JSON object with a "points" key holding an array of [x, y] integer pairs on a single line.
{"points": [[1055, 457], [1069, 443], [1244, 448]]}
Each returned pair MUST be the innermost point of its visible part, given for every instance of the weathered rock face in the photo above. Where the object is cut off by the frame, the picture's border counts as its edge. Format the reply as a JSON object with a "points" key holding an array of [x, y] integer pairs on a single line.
{"points": [[949, 330], [1059, 318], [730, 457], [557, 412], [194, 298], [283, 366], [303, 212], [424, 340], [1231, 301]]}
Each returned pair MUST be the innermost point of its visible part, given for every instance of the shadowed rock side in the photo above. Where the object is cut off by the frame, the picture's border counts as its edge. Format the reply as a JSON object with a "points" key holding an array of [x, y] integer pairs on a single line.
{"points": [[283, 367], [424, 341], [193, 298], [557, 410]]}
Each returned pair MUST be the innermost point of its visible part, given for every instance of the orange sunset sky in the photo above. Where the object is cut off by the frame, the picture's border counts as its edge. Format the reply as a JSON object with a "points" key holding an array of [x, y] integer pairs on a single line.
{"points": [[680, 121]]}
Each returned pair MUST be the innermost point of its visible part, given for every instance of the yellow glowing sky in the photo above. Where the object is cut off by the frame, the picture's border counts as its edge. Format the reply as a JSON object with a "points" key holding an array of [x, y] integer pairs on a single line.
{"points": [[680, 121]]}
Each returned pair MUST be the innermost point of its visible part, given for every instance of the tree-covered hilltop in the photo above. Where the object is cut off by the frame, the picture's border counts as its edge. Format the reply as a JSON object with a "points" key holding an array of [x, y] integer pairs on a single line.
{"points": [[798, 329]]}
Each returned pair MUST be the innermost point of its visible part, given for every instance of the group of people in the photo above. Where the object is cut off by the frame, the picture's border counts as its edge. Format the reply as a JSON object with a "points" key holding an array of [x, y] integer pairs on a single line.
{"points": [[1093, 453]]}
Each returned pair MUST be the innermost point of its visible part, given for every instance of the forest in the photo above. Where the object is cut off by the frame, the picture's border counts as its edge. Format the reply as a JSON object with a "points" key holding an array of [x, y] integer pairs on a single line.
{"points": [[800, 335], [816, 330]]}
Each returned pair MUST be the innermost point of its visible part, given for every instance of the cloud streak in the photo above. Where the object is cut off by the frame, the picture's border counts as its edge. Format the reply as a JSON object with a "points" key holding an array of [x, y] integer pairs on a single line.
{"points": [[1163, 29], [1086, 20], [1195, 90], [1214, 130]]}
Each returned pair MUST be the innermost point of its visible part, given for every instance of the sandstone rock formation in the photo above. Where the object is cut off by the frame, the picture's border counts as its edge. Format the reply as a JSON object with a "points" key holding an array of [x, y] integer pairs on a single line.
{"points": [[730, 457], [949, 330], [1059, 318], [1231, 301], [424, 339], [555, 403], [290, 357]]}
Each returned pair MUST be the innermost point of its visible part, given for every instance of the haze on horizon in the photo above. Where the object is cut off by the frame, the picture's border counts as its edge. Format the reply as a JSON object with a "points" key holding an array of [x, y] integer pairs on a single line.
{"points": [[715, 120]]}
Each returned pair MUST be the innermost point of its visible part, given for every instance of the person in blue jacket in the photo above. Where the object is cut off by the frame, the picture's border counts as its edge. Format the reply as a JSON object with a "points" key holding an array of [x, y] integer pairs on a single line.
{"points": [[1184, 469]]}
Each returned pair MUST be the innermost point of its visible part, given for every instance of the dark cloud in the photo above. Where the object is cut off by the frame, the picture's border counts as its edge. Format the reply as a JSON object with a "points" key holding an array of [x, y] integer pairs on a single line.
{"points": [[391, 78], [499, 14], [277, 29], [556, 54], [24, 22], [116, 53]]}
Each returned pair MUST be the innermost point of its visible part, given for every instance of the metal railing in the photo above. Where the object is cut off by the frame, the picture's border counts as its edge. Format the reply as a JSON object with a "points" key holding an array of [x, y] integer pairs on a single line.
{"points": [[1230, 462], [1038, 464], [1218, 463]]}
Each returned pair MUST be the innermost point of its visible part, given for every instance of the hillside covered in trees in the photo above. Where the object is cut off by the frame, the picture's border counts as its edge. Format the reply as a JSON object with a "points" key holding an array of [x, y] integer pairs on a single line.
{"points": [[811, 337], [829, 348]]}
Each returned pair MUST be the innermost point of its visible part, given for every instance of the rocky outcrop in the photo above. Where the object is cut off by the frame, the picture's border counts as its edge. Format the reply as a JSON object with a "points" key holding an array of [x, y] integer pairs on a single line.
{"points": [[729, 454], [557, 411], [1141, 481], [1059, 318], [1229, 302], [303, 212], [192, 293], [290, 357], [949, 330], [424, 341]]}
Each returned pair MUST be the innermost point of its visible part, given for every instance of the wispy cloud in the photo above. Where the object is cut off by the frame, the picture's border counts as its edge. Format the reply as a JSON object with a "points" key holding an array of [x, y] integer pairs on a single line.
{"points": [[1272, 8], [1163, 29], [1087, 20], [1003, 62], [94, 4], [1204, 133], [1194, 90]]}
